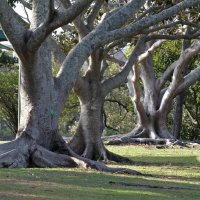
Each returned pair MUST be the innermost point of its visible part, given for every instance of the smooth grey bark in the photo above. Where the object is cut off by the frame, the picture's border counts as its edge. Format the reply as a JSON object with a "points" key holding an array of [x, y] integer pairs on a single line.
{"points": [[87, 140]]}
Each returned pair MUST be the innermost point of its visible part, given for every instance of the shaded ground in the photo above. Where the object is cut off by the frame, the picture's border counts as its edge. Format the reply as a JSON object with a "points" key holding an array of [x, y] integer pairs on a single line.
{"points": [[172, 167]]}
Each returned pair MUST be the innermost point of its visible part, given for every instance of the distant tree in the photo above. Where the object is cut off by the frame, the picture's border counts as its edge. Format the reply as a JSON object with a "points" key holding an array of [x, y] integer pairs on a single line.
{"points": [[9, 91], [153, 92]]}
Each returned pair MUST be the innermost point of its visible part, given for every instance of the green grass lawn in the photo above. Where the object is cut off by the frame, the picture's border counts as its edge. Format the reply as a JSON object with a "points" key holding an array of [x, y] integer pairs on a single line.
{"points": [[171, 167]]}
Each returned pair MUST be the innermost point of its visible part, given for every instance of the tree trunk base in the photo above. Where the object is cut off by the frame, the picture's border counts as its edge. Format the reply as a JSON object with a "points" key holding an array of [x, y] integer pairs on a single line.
{"points": [[100, 153], [141, 135], [160, 143], [25, 152], [95, 150], [149, 141]]}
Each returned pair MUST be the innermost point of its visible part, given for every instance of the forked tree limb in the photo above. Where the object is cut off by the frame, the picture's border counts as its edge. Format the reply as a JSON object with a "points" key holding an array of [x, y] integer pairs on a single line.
{"points": [[187, 54]]}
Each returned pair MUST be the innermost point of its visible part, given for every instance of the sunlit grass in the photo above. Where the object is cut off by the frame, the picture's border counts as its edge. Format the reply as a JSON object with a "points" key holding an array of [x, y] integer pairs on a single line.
{"points": [[2, 142], [172, 167]]}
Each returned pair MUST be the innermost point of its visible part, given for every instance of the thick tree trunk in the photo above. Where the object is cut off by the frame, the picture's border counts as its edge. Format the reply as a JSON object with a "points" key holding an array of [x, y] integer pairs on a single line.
{"points": [[87, 140], [88, 136], [39, 113]]}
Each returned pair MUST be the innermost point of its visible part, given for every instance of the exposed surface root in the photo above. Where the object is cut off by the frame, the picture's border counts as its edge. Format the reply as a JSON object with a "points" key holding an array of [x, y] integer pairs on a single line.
{"points": [[102, 154], [117, 158], [95, 151], [160, 143], [125, 140], [15, 154], [45, 158], [102, 167], [23, 153]]}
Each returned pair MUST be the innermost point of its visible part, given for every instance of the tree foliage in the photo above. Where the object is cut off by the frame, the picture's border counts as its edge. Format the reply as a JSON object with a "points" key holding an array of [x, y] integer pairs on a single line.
{"points": [[9, 91]]}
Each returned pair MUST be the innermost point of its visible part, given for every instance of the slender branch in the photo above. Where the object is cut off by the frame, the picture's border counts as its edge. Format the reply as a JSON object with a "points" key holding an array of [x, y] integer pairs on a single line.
{"points": [[134, 89], [95, 10], [166, 75], [82, 29], [175, 37], [170, 25], [113, 44], [104, 66], [190, 79], [194, 121], [119, 18], [150, 10], [26, 4], [150, 50], [120, 78], [27, 17], [118, 102], [117, 43]]}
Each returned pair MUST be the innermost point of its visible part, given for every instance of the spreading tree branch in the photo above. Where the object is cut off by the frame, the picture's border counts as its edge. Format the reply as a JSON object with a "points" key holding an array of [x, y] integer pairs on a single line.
{"points": [[93, 14], [55, 20], [175, 37], [80, 53], [120, 78], [109, 30], [146, 22], [190, 79], [171, 90], [134, 89]]}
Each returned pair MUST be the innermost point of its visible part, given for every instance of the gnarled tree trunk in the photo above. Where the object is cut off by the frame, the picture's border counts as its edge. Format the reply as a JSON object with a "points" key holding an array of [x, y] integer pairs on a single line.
{"points": [[87, 140], [152, 102]]}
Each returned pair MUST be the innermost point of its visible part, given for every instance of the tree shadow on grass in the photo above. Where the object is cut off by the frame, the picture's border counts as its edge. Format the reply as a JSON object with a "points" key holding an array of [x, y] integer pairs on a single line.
{"points": [[165, 160], [68, 184]]}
